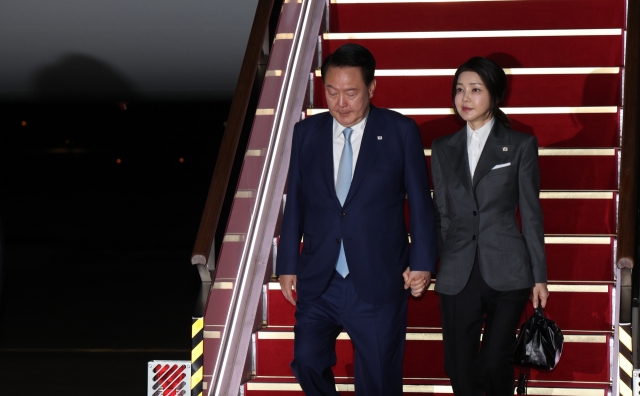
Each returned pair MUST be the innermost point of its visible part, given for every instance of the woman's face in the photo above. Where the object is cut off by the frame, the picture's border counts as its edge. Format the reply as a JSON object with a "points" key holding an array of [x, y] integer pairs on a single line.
{"points": [[472, 99]]}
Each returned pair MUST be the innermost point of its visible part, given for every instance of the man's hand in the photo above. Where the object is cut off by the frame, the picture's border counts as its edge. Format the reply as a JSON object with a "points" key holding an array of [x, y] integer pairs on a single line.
{"points": [[541, 293], [418, 281], [288, 286]]}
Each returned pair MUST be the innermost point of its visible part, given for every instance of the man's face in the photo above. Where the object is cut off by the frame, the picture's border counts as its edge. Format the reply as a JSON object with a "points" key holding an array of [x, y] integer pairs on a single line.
{"points": [[347, 94]]}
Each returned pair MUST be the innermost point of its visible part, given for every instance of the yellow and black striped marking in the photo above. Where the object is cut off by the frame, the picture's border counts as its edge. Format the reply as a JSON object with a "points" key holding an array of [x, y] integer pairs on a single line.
{"points": [[197, 356], [625, 359]]}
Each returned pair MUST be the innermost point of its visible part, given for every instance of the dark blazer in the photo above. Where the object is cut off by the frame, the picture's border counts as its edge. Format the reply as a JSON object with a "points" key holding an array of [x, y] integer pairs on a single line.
{"points": [[481, 214], [390, 167]]}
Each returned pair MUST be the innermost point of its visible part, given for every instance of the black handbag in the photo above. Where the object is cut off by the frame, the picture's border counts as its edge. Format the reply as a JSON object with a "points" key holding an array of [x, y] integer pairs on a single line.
{"points": [[539, 343]]}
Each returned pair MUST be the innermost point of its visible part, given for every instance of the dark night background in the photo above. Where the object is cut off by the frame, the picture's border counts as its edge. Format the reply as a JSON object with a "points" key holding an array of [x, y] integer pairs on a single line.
{"points": [[96, 274], [99, 101]]}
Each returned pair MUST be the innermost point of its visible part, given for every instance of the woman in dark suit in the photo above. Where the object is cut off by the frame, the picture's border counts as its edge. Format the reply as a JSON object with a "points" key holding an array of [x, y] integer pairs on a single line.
{"points": [[489, 267]]}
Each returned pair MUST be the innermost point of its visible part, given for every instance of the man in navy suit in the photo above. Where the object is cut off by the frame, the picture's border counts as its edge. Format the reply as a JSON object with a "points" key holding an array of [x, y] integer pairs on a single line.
{"points": [[350, 173]]}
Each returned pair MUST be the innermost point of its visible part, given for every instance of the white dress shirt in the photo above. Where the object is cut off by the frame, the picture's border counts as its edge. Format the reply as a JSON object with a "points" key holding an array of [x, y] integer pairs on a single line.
{"points": [[338, 144], [476, 140]]}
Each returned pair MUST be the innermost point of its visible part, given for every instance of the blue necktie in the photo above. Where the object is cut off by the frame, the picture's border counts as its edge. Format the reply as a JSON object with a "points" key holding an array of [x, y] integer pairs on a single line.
{"points": [[343, 182]]}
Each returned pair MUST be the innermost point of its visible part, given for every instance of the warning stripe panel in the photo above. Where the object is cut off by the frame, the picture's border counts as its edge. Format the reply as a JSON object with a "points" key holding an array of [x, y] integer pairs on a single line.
{"points": [[197, 355], [625, 359]]}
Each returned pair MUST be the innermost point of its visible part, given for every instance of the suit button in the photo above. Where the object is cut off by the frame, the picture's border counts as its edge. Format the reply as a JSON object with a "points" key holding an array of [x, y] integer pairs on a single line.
{"points": [[337, 240], [475, 213], [473, 237], [343, 214]]}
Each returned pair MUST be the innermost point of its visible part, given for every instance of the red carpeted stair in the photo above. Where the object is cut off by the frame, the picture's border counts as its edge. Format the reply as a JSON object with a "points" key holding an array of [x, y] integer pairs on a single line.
{"points": [[564, 60]]}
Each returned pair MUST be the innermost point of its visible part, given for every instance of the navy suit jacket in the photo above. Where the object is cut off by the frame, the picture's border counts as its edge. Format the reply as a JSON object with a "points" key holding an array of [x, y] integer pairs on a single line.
{"points": [[391, 167]]}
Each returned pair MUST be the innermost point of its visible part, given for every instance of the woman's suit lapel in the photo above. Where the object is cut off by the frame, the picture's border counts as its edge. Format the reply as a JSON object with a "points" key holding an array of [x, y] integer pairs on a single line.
{"points": [[495, 151]]}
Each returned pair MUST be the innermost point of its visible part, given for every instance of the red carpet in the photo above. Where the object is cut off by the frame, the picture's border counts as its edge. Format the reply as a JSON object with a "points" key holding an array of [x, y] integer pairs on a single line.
{"points": [[463, 16], [587, 51], [558, 90]]}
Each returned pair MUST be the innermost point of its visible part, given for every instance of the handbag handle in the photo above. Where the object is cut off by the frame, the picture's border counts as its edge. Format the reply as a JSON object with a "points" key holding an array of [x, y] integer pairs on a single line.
{"points": [[539, 311], [536, 312]]}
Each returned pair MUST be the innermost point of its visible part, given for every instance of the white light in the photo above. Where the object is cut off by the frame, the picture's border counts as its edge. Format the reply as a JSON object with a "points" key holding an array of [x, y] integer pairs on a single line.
{"points": [[473, 34]]}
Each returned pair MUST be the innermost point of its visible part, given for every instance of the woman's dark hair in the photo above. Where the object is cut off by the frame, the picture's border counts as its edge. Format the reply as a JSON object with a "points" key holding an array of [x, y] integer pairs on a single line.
{"points": [[352, 55], [493, 78]]}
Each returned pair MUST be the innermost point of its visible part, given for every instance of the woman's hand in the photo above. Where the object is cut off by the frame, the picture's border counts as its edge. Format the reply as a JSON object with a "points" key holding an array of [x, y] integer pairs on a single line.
{"points": [[539, 293], [418, 281]]}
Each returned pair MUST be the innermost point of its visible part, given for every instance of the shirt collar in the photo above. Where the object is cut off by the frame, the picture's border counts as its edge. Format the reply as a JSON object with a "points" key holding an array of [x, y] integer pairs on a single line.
{"points": [[483, 131], [357, 129]]}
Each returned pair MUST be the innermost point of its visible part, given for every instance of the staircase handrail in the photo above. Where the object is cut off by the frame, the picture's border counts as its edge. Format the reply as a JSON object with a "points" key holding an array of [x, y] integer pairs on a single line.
{"points": [[628, 281], [248, 273], [203, 252], [628, 205]]}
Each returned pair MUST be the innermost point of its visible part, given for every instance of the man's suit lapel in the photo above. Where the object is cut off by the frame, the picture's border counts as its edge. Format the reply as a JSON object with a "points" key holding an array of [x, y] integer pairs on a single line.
{"points": [[372, 141], [495, 151], [325, 147], [458, 158]]}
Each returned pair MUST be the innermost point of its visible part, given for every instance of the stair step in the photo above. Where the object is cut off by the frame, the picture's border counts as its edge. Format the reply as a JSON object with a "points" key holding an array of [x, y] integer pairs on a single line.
{"points": [[559, 130], [579, 170], [276, 386], [565, 130], [277, 349], [572, 213], [569, 213], [595, 51], [546, 90], [579, 259], [591, 308], [552, 130], [446, 16]]}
